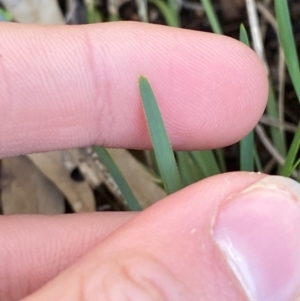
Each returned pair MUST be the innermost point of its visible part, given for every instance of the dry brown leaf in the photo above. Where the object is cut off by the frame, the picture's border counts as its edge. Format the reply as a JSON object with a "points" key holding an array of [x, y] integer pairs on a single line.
{"points": [[95, 172], [140, 181], [26, 190], [79, 194], [34, 11], [87, 167]]}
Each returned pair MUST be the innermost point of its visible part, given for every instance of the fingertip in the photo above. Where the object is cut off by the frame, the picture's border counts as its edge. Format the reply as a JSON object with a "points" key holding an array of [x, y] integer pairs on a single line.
{"points": [[257, 231], [211, 89]]}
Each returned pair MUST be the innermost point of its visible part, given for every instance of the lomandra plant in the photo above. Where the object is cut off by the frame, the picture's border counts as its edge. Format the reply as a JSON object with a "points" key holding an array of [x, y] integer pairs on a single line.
{"points": [[180, 169]]}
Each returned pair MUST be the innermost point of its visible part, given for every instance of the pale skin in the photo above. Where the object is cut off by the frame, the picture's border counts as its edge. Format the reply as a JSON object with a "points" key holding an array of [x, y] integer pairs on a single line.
{"points": [[64, 87]]}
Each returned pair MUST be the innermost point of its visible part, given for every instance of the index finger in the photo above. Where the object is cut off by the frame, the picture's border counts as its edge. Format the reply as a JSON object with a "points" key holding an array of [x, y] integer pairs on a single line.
{"points": [[64, 87]]}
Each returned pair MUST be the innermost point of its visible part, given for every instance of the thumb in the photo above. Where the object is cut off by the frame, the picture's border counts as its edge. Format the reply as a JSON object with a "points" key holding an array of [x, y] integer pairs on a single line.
{"points": [[230, 237]]}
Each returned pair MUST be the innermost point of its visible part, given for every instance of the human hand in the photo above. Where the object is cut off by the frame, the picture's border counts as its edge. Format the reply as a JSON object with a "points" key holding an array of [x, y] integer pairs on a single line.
{"points": [[64, 87]]}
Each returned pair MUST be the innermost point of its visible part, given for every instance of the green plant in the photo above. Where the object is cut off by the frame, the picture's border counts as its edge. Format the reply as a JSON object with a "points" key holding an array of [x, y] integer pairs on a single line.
{"points": [[184, 168], [5, 16]]}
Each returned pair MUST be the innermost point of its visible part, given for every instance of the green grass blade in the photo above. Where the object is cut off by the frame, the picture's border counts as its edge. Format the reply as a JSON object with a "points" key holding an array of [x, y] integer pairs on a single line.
{"points": [[220, 159], [114, 18], [206, 162], [113, 169], [246, 144], [290, 163], [276, 134], [154, 163], [5, 16], [244, 38], [288, 43], [247, 153], [212, 17], [257, 160], [171, 17], [189, 172], [296, 164], [174, 6], [93, 15], [162, 148], [272, 110]]}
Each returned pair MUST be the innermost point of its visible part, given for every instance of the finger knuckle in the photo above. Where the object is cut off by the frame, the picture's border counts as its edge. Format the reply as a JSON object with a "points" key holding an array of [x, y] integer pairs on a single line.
{"points": [[134, 277]]}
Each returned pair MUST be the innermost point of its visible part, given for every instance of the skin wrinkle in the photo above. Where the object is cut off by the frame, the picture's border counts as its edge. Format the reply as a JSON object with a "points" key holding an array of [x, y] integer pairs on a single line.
{"points": [[172, 67], [4, 277], [148, 279], [127, 268], [67, 99], [162, 266], [98, 103], [84, 79], [171, 110], [61, 254], [106, 111], [161, 292], [127, 271], [5, 82], [8, 266], [140, 283], [82, 284], [105, 290]]}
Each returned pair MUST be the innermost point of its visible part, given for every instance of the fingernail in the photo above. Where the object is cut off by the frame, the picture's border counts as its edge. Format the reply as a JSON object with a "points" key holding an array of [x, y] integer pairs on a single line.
{"points": [[258, 231]]}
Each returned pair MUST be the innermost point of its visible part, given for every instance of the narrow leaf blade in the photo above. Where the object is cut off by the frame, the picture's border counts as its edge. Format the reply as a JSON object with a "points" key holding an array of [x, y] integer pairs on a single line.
{"points": [[206, 162], [113, 169], [189, 171], [221, 159], [244, 38], [164, 154], [291, 157], [277, 135], [171, 17], [246, 144], [288, 43], [212, 17]]}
